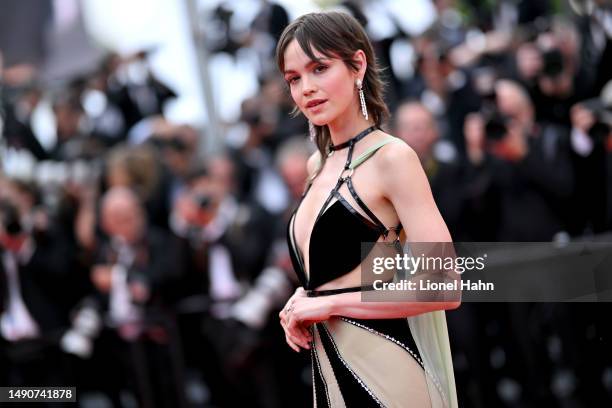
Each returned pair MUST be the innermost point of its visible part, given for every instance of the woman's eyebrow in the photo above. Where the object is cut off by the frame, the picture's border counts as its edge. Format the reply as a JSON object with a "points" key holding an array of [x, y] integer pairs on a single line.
{"points": [[308, 65]]}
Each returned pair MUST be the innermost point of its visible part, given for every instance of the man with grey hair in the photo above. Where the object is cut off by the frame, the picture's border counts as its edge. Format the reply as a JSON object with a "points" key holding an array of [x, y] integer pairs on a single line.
{"points": [[416, 125], [135, 266]]}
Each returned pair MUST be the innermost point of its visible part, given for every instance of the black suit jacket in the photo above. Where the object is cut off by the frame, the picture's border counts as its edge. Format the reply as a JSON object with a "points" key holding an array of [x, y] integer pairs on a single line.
{"points": [[46, 282]]}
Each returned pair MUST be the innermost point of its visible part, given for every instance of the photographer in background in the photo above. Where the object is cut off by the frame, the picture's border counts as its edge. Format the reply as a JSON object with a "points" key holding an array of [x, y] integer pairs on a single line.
{"points": [[590, 137], [36, 291], [134, 88], [73, 140], [17, 107], [256, 179], [227, 289], [135, 265], [177, 146], [139, 168], [535, 175], [416, 125]]}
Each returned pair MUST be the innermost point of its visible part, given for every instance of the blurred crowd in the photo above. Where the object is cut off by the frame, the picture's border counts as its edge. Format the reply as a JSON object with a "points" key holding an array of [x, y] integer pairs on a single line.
{"points": [[148, 274]]}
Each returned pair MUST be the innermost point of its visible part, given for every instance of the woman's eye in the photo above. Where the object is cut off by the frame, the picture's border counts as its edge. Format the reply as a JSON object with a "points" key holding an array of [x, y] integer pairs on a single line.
{"points": [[292, 80], [320, 68]]}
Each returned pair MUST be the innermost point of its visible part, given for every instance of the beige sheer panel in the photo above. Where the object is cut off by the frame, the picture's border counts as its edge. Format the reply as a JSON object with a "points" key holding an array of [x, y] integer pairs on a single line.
{"points": [[388, 370], [333, 390]]}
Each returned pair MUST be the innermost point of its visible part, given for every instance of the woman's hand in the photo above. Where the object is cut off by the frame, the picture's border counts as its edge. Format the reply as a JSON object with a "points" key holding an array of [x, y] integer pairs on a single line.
{"points": [[300, 336], [296, 331], [301, 312]]}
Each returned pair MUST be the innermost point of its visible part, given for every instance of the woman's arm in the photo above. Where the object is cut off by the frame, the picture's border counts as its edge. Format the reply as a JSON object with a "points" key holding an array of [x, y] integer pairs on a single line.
{"points": [[351, 305], [309, 310], [405, 185]]}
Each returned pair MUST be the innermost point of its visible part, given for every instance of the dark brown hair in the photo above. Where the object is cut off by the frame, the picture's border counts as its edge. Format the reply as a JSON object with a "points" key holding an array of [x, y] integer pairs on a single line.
{"points": [[336, 35]]}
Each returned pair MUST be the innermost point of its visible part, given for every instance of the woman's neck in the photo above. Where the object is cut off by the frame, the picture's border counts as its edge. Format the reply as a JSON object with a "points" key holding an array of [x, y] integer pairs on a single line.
{"points": [[346, 126]]}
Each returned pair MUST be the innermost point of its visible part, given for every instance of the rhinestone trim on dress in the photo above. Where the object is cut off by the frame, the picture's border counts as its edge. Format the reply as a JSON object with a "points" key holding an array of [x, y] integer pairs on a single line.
{"points": [[314, 386], [359, 380], [315, 357]]}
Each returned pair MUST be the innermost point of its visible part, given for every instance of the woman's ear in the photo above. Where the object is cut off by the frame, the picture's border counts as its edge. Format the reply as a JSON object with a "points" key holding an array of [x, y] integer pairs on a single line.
{"points": [[360, 60]]}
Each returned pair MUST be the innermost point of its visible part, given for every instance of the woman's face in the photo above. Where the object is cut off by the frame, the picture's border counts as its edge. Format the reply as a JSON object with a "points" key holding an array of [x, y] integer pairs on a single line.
{"points": [[323, 90]]}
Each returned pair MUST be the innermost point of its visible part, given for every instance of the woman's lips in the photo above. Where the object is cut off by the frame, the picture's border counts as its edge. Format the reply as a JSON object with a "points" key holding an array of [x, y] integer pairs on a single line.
{"points": [[315, 105]]}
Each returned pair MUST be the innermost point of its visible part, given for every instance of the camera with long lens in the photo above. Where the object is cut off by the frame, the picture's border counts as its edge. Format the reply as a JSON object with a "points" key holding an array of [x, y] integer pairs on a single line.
{"points": [[9, 219], [203, 201], [496, 125], [204, 212], [553, 63]]}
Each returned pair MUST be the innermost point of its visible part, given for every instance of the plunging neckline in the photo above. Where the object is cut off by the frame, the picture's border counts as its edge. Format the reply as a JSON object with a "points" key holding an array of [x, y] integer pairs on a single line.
{"points": [[300, 253], [326, 203], [298, 250]]}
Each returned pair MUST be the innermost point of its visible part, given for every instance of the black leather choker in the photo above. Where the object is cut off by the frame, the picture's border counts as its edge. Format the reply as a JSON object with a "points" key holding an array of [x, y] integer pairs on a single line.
{"points": [[353, 140]]}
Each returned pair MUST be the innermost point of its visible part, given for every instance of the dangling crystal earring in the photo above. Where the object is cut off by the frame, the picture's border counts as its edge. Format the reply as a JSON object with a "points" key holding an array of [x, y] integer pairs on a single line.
{"points": [[312, 131], [364, 109]]}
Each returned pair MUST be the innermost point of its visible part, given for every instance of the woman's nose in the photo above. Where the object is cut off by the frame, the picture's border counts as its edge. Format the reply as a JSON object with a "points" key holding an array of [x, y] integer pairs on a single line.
{"points": [[308, 87]]}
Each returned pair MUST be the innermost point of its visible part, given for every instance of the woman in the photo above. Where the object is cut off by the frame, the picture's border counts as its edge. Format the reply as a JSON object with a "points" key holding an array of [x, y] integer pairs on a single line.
{"points": [[362, 181]]}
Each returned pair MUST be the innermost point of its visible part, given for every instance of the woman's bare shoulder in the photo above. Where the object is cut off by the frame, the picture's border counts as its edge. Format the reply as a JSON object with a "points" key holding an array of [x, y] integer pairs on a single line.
{"points": [[395, 156], [396, 166]]}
